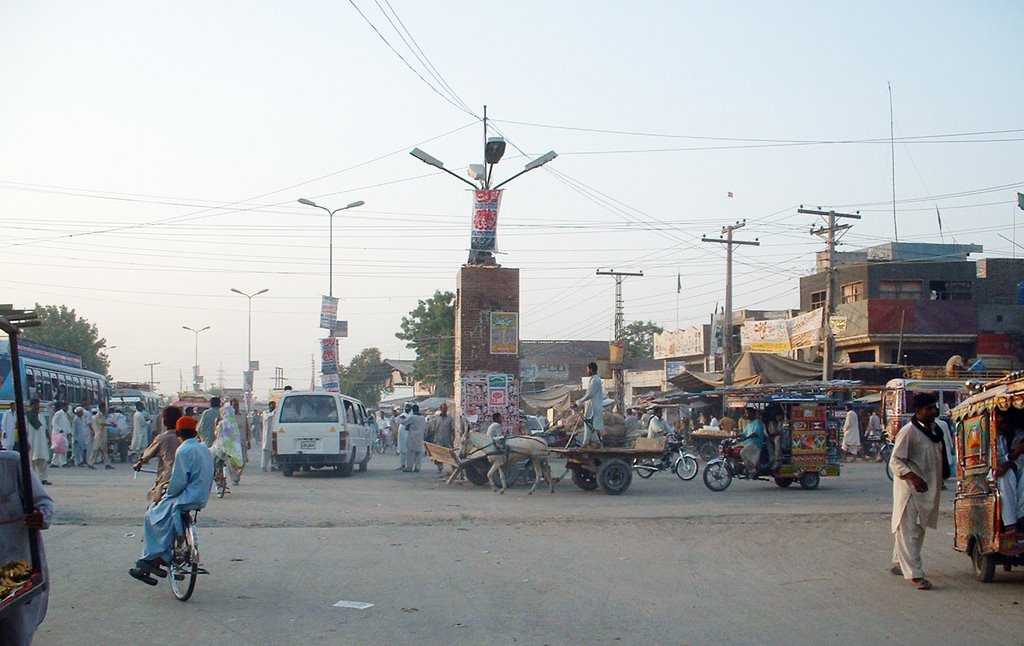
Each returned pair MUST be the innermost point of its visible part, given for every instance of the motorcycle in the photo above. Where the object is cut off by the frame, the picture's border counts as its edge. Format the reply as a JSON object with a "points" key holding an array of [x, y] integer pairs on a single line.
{"points": [[719, 473], [675, 459]]}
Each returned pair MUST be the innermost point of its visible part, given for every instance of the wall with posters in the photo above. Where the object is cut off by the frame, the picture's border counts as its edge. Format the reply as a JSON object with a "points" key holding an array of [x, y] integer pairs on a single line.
{"points": [[484, 393]]}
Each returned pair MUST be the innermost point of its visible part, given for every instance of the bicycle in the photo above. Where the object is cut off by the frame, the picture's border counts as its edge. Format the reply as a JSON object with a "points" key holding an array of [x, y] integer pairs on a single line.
{"points": [[380, 445], [220, 477]]}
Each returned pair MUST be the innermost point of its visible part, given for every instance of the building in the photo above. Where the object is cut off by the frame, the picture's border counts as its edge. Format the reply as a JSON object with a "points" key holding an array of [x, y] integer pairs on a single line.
{"points": [[926, 302], [544, 364]]}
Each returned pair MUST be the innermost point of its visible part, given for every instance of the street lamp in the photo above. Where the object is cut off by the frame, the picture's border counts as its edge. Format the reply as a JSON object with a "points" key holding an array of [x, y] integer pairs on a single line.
{"points": [[330, 261], [248, 354], [195, 368], [494, 148]]}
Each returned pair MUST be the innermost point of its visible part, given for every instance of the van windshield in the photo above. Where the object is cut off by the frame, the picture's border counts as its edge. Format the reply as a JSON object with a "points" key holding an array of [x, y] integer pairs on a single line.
{"points": [[309, 408]]}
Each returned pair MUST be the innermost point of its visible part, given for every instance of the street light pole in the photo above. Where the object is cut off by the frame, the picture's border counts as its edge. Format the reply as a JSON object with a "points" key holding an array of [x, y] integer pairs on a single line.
{"points": [[248, 353], [195, 367], [330, 246]]}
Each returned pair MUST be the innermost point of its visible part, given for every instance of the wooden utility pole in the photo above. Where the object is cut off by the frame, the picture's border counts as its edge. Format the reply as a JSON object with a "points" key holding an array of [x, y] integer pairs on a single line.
{"points": [[619, 276], [727, 331], [829, 233]]}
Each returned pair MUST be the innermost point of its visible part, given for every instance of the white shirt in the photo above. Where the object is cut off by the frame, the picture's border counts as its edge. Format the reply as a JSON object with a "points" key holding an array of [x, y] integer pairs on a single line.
{"points": [[714, 422], [593, 402], [658, 427], [851, 428], [7, 428], [61, 422], [494, 430]]}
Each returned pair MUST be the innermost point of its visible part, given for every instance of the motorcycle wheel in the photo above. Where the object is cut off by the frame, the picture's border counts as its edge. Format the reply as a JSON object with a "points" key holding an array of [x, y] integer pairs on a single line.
{"points": [[686, 468], [717, 476], [643, 473]]}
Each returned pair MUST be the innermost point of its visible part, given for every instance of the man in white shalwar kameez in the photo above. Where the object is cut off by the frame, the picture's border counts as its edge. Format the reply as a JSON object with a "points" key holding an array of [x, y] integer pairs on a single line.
{"points": [[1009, 473], [593, 407], [17, 627], [191, 480], [918, 462], [140, 431]]}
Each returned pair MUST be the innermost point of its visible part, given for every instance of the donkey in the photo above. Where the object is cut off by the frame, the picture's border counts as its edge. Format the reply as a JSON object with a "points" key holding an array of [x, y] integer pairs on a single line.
{"points": [[512, 449]]}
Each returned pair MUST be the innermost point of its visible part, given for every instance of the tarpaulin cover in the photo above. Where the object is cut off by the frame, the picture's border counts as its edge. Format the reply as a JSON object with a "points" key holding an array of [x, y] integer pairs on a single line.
{"points": [[558, 397]]}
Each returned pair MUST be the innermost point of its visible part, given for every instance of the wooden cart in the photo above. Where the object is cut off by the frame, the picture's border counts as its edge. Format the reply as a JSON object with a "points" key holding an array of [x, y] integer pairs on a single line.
{"points": [[705, 441], [610, 469], [475, 469]]}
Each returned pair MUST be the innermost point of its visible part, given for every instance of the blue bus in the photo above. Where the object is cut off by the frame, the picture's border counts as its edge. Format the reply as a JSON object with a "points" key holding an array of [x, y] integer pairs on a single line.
{"points": [[51, 374]]}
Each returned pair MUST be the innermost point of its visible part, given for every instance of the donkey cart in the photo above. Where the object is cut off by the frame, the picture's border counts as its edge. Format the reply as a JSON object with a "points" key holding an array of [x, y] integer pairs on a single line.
{"points": [[610, 469]]}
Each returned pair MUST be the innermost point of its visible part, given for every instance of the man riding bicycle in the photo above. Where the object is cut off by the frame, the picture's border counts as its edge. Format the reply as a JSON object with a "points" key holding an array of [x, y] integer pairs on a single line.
{"points": [[189, 488]]}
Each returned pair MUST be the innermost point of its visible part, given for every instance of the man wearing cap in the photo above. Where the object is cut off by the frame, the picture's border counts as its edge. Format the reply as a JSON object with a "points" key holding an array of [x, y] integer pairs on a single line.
{"points": [[82, 435], [163, 449], [189, 488]]}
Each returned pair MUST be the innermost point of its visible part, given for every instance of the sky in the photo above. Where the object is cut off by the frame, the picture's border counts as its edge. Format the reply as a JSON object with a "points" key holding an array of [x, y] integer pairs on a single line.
{"points": [[151, 156]]}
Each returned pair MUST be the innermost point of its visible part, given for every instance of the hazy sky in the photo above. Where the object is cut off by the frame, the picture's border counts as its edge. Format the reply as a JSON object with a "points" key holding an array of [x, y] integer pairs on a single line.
{"points": [[151, 155]]}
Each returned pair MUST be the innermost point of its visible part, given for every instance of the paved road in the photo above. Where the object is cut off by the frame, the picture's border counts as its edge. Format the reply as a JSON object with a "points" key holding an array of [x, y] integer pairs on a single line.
{"points": [[668, 562]]}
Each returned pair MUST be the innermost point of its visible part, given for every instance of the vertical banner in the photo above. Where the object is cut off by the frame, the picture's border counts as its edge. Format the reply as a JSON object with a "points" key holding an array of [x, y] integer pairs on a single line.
{"points": [[247, 381], [504, 333], [328, 355], [331, 382], [328, 312], [616, 354], [485, 220]]}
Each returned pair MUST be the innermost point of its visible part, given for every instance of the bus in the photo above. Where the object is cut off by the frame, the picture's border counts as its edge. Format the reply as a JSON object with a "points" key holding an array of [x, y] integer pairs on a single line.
{"points": [[126, 398], [52, 375], [898, 395]]}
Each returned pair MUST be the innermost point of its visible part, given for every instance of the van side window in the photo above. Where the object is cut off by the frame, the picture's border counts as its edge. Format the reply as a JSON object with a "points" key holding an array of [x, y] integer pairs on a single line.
{"points": [[350, 415], [364, 417]]}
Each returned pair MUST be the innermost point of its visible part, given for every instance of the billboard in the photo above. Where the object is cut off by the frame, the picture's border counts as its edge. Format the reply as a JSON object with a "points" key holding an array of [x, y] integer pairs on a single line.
{"points": [[783, 335], [680, 343], [504, 333]]}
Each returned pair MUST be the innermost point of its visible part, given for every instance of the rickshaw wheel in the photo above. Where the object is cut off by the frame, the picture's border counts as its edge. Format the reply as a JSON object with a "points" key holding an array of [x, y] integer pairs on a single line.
{"points": [[783, 482], [810, 480], [984, 564]]}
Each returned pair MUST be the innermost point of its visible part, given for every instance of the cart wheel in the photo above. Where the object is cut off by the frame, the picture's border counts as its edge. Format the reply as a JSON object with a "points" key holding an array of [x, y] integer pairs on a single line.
{"points": [[717, 476], [984, 564], [614, 476], [584, 479], [476, 473], [686, 468], [707, 451], [810, 480], [783, 482], [644, 473]]}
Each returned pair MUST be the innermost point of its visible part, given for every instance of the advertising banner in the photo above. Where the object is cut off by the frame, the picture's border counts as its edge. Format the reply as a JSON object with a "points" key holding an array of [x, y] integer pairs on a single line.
{"points": [[328, 355], [680, 343], [674, 369], [504, 333], [328, 312], [805, 330], [339, 329], [616, 354], [783, 335], [331, 382], [247, 381], [485, 220]]}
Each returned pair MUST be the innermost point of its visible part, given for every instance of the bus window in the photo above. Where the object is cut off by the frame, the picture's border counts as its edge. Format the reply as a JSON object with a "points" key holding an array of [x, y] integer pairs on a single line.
{"points": [[63, 392], [30, 378]]}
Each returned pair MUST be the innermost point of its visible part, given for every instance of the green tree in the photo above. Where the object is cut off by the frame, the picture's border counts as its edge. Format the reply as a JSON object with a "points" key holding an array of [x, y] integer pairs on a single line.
{"points": [[62, 328], [430, 330], [639, 338], [365, 376]]}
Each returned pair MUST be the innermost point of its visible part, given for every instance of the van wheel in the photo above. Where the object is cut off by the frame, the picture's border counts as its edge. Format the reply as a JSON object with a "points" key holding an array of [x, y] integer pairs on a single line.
{"points": [[287, 472], [366, 460], [345, 468]]}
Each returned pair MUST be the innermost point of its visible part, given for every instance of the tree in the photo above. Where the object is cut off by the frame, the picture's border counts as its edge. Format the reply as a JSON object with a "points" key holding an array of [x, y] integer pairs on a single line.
{"points": [[365, 376], [430, 330], [61, 328], [639, 338]]}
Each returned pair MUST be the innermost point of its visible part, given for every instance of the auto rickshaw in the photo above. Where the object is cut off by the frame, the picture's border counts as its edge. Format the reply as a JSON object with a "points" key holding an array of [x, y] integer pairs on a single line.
{"points": [[977, 506], [807, 432]]}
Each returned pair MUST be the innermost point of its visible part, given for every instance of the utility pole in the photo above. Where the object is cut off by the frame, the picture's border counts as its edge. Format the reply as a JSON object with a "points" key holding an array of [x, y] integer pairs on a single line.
{"points": [[829, 233], [619, 276], [151, 382], [727, 326]]}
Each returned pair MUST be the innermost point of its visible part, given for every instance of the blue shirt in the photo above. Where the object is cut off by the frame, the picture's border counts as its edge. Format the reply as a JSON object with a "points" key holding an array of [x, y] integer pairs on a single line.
{"points": [[192, 475], [753, 433]]}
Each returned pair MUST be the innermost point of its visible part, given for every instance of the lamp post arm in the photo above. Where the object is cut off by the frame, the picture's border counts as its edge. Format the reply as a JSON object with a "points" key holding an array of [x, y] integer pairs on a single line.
{"points": [[522, 172], [459, 177]]}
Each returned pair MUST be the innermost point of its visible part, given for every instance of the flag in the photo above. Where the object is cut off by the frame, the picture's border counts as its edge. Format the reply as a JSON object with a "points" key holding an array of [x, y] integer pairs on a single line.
{"points": [[729, 194], [679, 283], [939, 217], [1020, 201]]}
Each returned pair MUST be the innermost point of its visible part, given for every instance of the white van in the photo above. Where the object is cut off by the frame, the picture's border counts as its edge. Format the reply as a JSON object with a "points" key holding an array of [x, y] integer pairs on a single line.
{"points": [[321, 429]]}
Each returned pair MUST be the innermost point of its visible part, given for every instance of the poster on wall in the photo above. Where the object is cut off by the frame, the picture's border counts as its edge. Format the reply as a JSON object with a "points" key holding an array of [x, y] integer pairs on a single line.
{"points": [[504, 333], [484, 393]]}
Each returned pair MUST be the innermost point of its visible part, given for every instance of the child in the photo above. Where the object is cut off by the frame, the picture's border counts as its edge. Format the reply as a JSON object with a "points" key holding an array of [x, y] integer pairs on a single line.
{"points": [[60, 449]]}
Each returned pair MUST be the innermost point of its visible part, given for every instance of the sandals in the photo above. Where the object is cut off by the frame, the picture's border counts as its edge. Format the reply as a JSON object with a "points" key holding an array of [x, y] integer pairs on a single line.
{"points": [[896, 570], [142, 575], [922, 584]]}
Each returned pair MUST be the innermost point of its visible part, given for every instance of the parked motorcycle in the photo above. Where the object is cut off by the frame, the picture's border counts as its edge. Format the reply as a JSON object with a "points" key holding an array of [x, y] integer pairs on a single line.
{"points": [[675, 459]]}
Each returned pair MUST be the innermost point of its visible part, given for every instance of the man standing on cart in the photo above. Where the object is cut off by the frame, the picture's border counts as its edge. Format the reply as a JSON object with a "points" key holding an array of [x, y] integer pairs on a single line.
{"points": [[593, 411]]}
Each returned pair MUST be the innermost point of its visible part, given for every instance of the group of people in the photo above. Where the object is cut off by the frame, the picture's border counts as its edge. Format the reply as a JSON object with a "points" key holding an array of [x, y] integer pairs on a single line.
{"points": [[408, 430]]}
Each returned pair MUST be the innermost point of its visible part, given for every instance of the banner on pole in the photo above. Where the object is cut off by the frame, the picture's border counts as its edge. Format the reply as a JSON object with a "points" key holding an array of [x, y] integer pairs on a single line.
{"points": [[485, 220], [328, 355], [339, 329], [328, 312], [331, 382], [247, 381]]}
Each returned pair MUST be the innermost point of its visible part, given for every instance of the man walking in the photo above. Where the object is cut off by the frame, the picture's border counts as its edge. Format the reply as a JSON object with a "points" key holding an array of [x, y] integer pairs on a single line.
{"points": [[99, 438], [60, 425], [267, 440], [851, 433], [7, 426], [38, 442], [593, 411], [83, 436], [403, 437], [919, 465], [208, 422], [140, 432], [417, 425], [445, 433]]}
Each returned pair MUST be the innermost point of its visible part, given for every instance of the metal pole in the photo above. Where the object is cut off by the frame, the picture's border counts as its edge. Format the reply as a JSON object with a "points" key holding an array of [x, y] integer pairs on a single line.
{"points": [[727, 331], [195, 366], [248, 352], [152, 382], [330, 255]]}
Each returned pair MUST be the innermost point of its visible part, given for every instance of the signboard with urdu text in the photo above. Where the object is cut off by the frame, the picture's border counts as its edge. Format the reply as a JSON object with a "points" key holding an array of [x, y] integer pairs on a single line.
{"points": [[504, 333]]}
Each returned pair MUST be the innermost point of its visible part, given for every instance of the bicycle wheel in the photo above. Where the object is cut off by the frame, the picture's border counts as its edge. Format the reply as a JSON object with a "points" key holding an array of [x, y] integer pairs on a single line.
{"points": [[184, 565]]}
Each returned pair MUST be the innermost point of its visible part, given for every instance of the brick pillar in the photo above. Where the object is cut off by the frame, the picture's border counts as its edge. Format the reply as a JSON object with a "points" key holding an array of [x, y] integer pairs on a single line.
{"points": [[480, 291]]}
